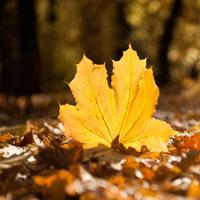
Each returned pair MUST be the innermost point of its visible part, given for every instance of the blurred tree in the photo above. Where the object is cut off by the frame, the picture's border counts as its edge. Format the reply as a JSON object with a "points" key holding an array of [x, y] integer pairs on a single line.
{"points": [[18, 47], [8, 44], [50, 46], [147, 21], [184, 53], [52, 11], [97, 28], [58, 35], [165, 42], [104, 29], [167, 31], [123, 28]]}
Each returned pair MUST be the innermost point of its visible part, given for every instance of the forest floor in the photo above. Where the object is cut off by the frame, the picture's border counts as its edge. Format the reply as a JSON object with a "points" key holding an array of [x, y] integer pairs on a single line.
{"points": [[38, 162]]}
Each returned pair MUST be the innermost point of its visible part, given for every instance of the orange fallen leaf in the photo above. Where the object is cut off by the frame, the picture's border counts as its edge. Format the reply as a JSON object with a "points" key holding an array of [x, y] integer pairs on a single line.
{"points": [[118, 180], [5, 137], [123, 112], [53, 186], [194, 189], [47, 181], [190, 143]]}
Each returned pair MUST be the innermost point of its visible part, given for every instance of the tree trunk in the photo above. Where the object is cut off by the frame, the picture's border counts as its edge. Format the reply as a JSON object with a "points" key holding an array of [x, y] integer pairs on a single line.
{"points": [[104, 30], [165, 42], [123, 28], [19, 48]]}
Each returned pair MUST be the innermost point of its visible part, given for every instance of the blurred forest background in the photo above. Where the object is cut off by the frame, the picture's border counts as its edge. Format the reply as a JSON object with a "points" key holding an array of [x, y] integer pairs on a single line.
{"points": [[40, 41]]}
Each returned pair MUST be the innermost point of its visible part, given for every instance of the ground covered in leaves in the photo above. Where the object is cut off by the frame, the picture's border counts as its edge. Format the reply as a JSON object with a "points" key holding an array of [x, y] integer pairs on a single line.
{"points": [[38, 162]]}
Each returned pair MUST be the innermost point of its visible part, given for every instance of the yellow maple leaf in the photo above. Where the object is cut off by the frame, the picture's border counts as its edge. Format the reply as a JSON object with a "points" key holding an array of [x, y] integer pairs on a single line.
{"points": [[122, 111]]}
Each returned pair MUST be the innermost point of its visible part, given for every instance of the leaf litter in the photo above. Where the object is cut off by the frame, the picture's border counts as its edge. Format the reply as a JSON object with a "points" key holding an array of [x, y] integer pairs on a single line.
{"points": [[49, 165]]}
